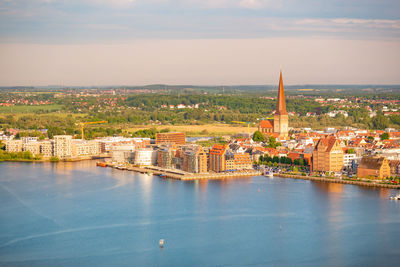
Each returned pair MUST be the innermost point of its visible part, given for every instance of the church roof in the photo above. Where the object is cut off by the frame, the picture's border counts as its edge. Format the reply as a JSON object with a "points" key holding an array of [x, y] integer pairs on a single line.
{"points": [[281, 104], [266, 124]]}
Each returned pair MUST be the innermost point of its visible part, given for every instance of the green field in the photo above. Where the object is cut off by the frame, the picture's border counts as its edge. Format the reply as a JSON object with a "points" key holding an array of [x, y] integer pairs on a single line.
{"points": [[30, 109]]}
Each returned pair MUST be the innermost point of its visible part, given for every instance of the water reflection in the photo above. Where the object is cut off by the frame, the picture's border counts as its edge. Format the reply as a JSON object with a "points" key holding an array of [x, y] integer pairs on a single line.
{"points": [[329, 187]]}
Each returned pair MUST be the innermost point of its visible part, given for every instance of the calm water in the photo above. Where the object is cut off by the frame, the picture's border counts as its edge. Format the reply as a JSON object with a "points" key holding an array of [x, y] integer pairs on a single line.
{"points": [[77, 214]]}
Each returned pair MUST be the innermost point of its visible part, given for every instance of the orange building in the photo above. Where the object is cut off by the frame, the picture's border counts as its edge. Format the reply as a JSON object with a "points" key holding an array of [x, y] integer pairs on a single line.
{"points": [[174, 138], [328, 155], [242, 161], [376, 167], [217, 158], [266, 126]]}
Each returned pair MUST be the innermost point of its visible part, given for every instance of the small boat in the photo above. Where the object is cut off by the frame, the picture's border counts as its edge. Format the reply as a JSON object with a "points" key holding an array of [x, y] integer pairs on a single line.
{"points": [[268, 174], [122, 168], [395, 197], [161, 243], [101, 164], [163, 176]]}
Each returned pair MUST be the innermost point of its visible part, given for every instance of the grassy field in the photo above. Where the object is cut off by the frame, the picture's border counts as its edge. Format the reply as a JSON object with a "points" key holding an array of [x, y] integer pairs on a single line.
{"points": [[29, 109], [199, 130]]}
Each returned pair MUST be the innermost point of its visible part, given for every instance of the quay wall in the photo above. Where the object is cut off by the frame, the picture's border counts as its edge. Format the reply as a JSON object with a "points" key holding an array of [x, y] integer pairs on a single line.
{"points": [[340, 181]]}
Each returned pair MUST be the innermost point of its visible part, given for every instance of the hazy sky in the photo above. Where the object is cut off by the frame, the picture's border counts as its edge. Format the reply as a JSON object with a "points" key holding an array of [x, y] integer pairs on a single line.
{"points": [[135, 42]]}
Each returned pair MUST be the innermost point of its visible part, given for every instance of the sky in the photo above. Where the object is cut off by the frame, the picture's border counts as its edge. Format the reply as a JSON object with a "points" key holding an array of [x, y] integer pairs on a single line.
{"points": [[202, 42]]}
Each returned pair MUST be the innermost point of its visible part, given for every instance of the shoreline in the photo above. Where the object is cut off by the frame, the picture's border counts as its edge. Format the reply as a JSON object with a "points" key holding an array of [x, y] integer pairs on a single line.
{"points": [[338, 181], [184, 176], [53, 161]]}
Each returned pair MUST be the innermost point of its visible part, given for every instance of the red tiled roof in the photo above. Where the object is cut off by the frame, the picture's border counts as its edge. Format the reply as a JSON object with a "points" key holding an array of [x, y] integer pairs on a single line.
{"points": [[266, 124], [218, 149]]}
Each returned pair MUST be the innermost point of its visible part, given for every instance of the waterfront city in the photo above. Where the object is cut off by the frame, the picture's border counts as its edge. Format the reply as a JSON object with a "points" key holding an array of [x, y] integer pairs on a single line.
{"points": [[199, 133]]}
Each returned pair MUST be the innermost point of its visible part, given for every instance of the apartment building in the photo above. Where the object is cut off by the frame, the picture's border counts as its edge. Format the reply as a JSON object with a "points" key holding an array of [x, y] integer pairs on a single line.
{"points": [[85, 148], [145, 157], [217, 158], [46, 148], [63, 146], [14, 146], [32, 147]]}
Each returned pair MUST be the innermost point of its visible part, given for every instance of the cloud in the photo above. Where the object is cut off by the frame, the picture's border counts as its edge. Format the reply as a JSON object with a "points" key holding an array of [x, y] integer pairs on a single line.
{"points": [[83, 21]]}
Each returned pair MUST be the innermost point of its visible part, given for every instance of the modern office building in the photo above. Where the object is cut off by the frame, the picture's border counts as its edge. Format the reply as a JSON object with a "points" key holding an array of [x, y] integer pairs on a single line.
{"points": [[174, 138]]}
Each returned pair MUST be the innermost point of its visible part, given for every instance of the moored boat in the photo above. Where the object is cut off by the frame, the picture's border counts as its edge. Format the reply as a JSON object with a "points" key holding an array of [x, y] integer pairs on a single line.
{"points": [[395, 197], [268, 174], [101, 164]]}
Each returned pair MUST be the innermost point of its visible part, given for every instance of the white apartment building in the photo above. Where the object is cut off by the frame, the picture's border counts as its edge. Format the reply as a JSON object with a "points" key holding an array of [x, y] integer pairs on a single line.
{"points": [[32, 147], [122, 153], [85, 148], [14, 146], [63, 146], [27, 139], [348, 159], [145, 157], [46, 148]]}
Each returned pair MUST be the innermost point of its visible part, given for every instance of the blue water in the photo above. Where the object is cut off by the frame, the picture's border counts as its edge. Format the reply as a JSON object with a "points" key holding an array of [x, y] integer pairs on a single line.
{"points": [[77, 214]]}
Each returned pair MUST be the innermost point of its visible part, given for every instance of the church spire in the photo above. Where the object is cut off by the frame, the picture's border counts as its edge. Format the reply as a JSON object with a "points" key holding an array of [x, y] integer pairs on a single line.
{"points": [[281, 105]]}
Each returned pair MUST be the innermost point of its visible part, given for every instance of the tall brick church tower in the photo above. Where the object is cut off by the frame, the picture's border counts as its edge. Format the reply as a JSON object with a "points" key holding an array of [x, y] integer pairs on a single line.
{"points": [[281, 118]]}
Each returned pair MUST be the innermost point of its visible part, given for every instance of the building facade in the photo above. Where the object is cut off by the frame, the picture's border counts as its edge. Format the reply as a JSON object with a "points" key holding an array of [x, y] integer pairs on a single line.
{"points": [[145, 157], [173, 138], [328, 155], [373, 167], [14, 146], [63, 146], [32, 147], [46, 148], [217, 158]]}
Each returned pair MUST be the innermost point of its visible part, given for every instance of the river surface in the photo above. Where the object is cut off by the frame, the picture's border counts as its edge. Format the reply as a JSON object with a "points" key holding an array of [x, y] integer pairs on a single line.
{"points": [[77, 214]]}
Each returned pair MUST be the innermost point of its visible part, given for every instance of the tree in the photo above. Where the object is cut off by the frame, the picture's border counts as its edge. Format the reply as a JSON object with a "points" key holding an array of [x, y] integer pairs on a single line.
{"points": [[385, 136], [258, 136], [350, 151], [272, 142], [380, 122]]}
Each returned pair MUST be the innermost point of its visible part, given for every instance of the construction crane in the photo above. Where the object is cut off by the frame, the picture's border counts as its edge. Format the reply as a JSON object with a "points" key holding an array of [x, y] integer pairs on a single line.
{"points": [[86, 123], [248, 126]]}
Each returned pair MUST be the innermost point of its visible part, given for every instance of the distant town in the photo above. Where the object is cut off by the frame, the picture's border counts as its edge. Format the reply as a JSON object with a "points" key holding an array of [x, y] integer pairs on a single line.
{"points": [[275, 147]]}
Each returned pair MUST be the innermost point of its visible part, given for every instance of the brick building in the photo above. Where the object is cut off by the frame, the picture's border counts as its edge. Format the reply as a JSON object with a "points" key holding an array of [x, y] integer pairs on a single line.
{"points": [[174, 138], [328, 155], [373, 167]]}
